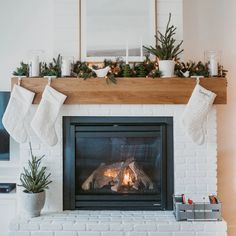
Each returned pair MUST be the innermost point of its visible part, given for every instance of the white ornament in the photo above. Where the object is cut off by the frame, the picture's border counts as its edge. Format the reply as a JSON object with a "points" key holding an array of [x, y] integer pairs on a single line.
{"points": [[101, 72], [185, 74]]}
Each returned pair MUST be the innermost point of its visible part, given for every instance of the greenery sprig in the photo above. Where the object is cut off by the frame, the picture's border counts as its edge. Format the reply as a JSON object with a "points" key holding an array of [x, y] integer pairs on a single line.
{"points": [[82, 70], [34, 179], [192, 68], [51, 69], [22, 70]]}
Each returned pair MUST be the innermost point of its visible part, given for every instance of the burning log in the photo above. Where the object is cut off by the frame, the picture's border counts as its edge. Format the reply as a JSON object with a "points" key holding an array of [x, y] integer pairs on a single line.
{"points": [[87, 183], [102, 176], [120, 177], [141, 177], [117, 175]]}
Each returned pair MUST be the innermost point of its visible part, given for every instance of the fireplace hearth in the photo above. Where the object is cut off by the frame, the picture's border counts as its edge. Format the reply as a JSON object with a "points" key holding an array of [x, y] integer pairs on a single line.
{"points": [[123, 163]]}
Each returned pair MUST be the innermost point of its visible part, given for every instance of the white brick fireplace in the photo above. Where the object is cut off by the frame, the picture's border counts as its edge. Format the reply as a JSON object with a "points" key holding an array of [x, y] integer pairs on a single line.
{"points": [[194, 174], [194, 166]]}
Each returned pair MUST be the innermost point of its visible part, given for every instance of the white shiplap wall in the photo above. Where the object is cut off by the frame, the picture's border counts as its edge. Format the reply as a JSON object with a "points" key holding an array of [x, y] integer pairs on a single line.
{"points": [[66, 30]]}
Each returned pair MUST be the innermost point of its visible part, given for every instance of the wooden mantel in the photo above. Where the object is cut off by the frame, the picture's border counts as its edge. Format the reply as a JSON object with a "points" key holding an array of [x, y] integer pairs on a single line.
{"points": [[127, 90]]}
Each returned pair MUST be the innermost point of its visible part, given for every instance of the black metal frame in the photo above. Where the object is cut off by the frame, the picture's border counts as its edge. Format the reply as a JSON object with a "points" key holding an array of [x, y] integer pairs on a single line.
{"points": [[73, 124]]}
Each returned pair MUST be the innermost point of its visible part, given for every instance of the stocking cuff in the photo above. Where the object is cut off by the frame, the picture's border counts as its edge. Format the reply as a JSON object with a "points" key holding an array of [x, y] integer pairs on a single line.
{"points": [[22, 94], [53, 96]]}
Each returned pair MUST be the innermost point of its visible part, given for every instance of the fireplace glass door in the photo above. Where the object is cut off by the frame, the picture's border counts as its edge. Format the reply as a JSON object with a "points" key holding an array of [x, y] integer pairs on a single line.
{"points": [[121, 165]]}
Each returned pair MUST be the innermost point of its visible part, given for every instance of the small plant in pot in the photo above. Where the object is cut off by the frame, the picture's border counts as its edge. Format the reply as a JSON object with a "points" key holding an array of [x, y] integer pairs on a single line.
{"points": [[35, 181], [166, 49]]}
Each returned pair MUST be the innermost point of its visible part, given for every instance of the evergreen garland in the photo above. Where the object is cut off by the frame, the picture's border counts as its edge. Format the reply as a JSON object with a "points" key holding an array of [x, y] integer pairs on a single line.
{"points": [[127, 72], [147, 68], [141, 70], [200, 69], [51, 69], [221, 71], [156, 73], [82, 70], [22, 70]]}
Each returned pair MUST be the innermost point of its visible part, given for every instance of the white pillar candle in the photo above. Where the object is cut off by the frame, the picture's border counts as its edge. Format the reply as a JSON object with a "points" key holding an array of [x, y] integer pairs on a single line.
{"points": [[34, 67], [141, 50], [213, 66], [127, 53], [66, 67]]}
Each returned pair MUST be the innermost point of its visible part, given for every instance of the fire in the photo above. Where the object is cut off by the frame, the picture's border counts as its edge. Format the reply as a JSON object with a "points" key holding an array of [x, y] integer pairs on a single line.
{"points": [[127, 176], [127, 179], [110, 173]]}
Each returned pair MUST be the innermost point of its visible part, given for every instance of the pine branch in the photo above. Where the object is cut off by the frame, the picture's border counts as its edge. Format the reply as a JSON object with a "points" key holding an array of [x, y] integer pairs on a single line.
{"points": [[166, 48], [34, 179]]}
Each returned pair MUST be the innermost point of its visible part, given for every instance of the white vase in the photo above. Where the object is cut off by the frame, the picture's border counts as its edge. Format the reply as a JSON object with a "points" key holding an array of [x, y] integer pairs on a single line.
{"points": [[167, 68], [32, 203]]}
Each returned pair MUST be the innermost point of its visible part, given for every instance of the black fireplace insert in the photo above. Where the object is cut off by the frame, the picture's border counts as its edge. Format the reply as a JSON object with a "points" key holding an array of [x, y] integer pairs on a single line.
{"points": [[118, 163]]}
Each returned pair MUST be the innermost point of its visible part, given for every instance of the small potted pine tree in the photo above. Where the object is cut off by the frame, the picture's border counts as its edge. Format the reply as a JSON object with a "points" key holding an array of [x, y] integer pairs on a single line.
{"points": [[166, 49], [34, 180]]}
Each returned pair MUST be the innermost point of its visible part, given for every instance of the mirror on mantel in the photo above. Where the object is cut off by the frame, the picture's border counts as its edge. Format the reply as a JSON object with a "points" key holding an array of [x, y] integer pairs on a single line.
{"points": [[108, 26]]}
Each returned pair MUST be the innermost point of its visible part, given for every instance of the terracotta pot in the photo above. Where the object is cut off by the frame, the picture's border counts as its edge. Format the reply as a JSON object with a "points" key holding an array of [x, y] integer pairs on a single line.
{"points": [[167, 67], [32, 203]]}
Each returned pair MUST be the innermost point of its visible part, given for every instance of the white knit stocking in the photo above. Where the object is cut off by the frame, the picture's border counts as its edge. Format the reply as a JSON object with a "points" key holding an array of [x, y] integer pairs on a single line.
{"points": [[14, 117], [45, 117], [196, 112]]}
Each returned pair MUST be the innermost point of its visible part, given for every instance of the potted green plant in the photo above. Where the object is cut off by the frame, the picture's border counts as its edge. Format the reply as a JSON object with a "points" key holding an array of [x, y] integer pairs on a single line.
{"points": [[34, 180], [166, 49]]}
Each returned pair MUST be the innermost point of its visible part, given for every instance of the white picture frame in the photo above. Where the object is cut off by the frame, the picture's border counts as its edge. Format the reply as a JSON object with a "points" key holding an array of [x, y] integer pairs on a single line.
{"points": [[98, 40]]}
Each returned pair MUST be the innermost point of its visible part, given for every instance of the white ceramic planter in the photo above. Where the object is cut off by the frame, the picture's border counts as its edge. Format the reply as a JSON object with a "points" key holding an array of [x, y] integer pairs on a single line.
{"points": [[32, 203], [167, 67]]}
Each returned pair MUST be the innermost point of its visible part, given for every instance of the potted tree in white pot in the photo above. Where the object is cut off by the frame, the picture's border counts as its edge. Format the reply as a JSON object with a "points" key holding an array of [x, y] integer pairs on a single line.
{"points": [[34, 180], [166, 50]]}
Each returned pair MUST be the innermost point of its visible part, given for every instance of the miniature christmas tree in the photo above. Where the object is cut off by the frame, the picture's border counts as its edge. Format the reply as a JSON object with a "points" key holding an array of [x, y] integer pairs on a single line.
{"points": [[166, 47], [127, 71], [141, 70]]}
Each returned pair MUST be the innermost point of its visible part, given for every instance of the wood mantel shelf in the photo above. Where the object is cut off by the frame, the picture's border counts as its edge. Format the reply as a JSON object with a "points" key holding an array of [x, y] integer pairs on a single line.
{"points": [[127, 90]]}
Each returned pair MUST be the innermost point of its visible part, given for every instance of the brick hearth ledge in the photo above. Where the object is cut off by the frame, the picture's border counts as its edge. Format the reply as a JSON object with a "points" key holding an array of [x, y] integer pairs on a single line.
{"points": [[113, 223]]}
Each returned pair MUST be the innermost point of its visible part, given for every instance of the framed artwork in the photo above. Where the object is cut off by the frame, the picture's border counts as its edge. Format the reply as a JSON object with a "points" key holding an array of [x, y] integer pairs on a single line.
{"points": [[109, 27]]}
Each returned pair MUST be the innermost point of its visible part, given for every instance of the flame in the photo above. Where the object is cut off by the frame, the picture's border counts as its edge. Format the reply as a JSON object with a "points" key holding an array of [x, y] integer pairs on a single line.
{"points": [[127, 178], [110, 173]]}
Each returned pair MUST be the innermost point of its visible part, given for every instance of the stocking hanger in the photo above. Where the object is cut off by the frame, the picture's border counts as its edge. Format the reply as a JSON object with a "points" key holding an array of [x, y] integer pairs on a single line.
{"points": [[19, 80], [197, 77], [49, 80]]}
